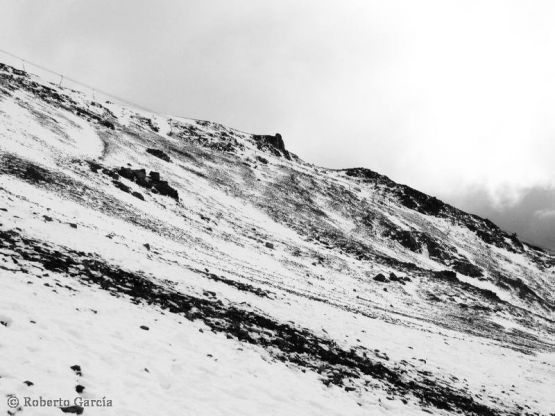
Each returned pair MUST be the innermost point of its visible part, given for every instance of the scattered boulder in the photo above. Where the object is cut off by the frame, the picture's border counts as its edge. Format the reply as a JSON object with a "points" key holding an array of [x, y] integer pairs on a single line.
{"points": [[79, 388], [135, 175], [110, 173], [393, 277], [380, 278], [269, 245], [28, 383], [144, 327], [152, 181], [165, 189], [77, 410], [77, 369]]}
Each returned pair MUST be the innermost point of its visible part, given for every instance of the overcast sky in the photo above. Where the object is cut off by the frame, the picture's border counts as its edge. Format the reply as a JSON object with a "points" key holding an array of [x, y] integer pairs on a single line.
{"points": [[456, 98]]}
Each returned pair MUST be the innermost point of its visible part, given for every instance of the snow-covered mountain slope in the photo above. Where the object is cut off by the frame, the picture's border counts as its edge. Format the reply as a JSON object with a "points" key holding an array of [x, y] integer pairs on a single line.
{"points": [[177, 266]]}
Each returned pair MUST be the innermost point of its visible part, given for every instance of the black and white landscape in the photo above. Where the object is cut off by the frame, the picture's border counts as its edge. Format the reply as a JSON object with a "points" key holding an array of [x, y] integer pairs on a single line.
{"points": [[181, 267]]}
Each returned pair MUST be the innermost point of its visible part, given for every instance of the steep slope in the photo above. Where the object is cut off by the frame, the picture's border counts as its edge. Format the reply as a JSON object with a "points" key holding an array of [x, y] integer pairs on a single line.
{"points": [[263, 282]]}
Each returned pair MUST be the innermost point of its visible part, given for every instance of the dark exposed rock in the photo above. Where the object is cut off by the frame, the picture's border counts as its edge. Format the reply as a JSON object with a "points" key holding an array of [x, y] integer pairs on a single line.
{"points": [[28, 383], [223, 140], [79, 388], [107, 123], [394, 278], [245, 287], [159, 154], [274, 141], [94, 167], [57, 99], [269, 245], [112, 174], [12, 70], [444, 253], [419, 201], [274, 144], [138, 195], [447, 275], [134, 175], [144, 327], [369, 176], [121, 186], [165, 189], [451, 278], [152, 181], [77, 369], [380, 278], [440, 252], [518, 244], [467, 268], [406, 239], [77, 410], [36, 174], [149, 123]]}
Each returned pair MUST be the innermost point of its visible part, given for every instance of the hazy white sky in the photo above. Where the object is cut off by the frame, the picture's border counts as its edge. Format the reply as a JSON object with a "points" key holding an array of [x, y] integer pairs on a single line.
{"points": [[456, 98]]}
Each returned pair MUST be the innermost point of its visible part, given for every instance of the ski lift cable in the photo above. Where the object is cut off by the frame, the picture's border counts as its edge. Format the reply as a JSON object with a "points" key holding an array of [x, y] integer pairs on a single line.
{"points": [[72, 80]]}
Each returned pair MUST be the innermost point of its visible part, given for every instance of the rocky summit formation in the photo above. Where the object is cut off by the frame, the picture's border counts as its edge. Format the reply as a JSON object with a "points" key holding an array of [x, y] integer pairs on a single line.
{"points": [[178, 266]]}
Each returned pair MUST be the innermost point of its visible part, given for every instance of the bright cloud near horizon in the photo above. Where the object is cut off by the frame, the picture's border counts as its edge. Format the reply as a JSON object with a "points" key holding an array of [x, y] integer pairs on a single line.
{"points": [[456, 98]]}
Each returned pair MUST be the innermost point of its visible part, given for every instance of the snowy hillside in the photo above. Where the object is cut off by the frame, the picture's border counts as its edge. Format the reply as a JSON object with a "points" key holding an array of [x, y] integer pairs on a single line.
{"points": [[171, 266]]}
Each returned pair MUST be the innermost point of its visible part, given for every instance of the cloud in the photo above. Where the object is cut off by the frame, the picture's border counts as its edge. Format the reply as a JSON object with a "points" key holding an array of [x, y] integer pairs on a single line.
{"points": [[447, 96], [532, 216], [545, 214]]}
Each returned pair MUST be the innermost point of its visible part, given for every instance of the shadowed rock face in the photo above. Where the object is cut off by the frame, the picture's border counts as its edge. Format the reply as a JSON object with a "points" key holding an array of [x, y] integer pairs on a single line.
{"points": [[418, 201], [273, 143]]}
